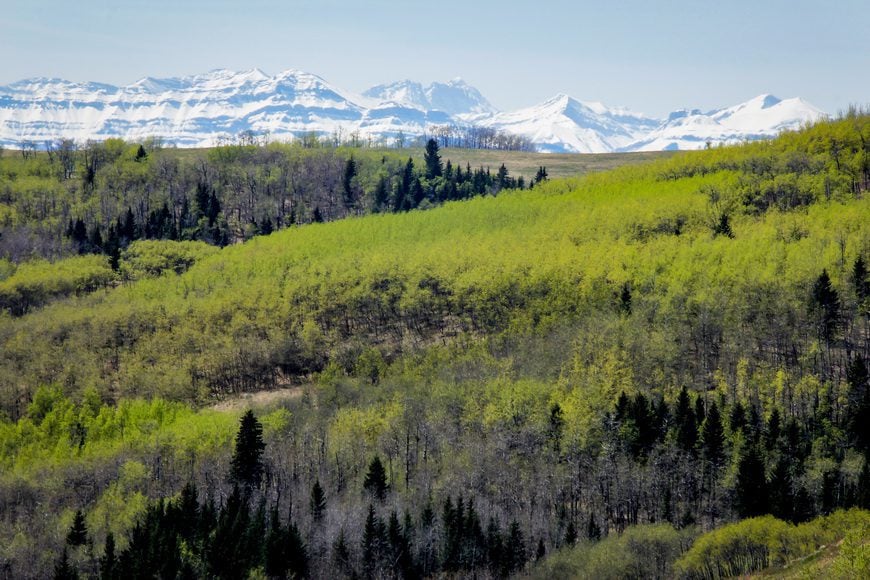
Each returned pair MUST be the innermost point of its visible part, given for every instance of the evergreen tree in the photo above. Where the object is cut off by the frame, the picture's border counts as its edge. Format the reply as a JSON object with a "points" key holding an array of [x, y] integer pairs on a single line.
{"points": [[78, 532], [247, 463], [773, 430], [317, 216], [432, 159], [826, 303], [381, 195], [750, 491], [376, 480], [109, 562], [317, 502], [686, 425], [373, 542], [297, 553], [713, 437], [625, 299], [593, 532], [861, 282], [737, 418], [515, 556], [723, 226], [341, 559], [63, 570], [350, 171], [141, 154], [570, 534], [495, 547], [858, 423], [541, 551], [276, 564]]}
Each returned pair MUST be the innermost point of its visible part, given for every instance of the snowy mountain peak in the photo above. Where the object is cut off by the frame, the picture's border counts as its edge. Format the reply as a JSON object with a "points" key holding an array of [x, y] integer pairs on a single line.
{"points": [[198, 110]]}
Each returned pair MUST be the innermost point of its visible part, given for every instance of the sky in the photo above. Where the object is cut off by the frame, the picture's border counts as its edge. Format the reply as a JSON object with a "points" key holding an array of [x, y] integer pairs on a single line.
{"points": [[652, 56]]}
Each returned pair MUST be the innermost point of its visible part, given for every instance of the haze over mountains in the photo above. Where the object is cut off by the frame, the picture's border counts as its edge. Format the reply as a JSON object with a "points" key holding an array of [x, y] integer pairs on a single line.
{"points": [[202, 110]]}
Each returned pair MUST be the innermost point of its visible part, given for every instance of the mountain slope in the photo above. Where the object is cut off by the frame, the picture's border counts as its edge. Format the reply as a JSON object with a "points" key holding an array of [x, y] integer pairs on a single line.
{"points": [[202, 110], [763, 117]]}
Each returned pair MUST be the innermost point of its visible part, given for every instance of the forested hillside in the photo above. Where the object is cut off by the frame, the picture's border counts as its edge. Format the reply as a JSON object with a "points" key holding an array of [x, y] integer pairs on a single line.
{"points": [[468, 389]]}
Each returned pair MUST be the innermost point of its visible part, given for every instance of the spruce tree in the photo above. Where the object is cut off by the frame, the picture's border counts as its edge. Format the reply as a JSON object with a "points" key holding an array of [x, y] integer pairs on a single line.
{"points": [[432, 159], [713, 437], [78, 532], [63, 570], [686, 425], [109, 562], [826, 303], [376, 480], [751, 490], [861, 283], [247, 463], [317, 502]]}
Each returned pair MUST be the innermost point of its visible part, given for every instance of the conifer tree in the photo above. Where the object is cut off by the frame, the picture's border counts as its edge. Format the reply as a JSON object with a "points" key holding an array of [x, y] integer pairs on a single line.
{"points": [[570, 534], [861, 282], [432, 160], [376, 480], [713, 437], [826, 302], [78, 532], [247, 464], [317, 502], [686, 425], [297, 553], [109, 562], [751, 492], [515, 557], [64, 570]]}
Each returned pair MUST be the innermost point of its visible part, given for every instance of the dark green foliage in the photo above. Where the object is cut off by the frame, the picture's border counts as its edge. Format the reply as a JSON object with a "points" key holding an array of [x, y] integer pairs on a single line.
{"points": [[723, 226], [78, 532], [432, 160], [751, 493], [63, 570], [861, 281], [713, 437], [515, 549], [247, 463], [593, 531], [341, 558], [737, 417], [625, 299], [374, 543], [685, 423], [826, 305], [317, 502], [858, 421], [570, 534], [375, 481], [109, 561]]}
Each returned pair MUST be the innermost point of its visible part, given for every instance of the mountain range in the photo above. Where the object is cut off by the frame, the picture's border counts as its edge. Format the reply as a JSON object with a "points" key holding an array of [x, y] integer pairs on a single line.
{"points": [[202, 110]]}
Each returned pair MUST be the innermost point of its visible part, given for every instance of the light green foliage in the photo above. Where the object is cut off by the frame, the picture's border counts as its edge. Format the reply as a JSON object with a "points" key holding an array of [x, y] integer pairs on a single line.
{"points": [[646, 551], [760, 543], [151, 258], [33, 284], [57, 432]]}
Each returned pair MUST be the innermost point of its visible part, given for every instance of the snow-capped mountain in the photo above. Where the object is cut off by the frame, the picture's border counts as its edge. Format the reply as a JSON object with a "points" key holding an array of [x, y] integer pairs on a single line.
{"points": [[455, 97], [763, 117], [201, 110], [565, 125]]}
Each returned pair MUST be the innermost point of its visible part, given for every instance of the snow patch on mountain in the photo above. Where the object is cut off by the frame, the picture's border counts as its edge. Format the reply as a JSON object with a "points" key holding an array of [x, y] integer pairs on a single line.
{"points": [[200, 110]]}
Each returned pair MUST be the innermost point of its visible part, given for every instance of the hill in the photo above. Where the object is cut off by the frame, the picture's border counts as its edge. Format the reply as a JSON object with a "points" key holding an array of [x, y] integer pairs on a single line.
{"points": [[679, 341]]}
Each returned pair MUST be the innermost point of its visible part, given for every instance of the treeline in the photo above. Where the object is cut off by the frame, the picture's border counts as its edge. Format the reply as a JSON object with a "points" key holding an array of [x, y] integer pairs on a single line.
{"points": [[474, 137], [100, 197]]}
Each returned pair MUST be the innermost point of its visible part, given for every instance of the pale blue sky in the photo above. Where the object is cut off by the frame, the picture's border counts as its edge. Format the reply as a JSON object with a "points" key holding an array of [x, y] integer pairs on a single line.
{"points": [[650, 55]]}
